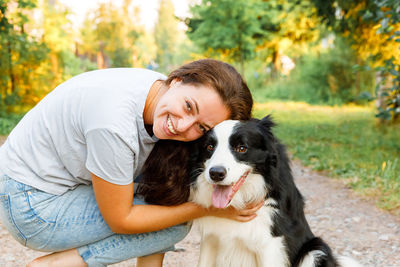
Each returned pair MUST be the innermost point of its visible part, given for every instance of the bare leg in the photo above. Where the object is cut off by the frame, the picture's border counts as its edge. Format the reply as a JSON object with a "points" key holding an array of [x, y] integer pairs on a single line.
{"points": [[155, 260], [67, 258]]}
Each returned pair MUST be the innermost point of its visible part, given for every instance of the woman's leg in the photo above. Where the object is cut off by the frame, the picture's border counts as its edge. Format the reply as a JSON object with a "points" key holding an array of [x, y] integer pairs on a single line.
{"points": [[118, 248], [155, 260], [71, 258], [46, 222], [68, 258]]}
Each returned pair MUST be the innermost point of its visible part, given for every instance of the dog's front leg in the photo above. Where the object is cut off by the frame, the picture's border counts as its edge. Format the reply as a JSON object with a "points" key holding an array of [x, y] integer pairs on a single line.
{"points": [[208, 251], [273, 253]]}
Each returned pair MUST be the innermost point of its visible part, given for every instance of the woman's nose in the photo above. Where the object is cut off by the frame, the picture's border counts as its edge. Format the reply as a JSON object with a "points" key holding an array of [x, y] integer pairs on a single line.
{"points": [[185, 123]]}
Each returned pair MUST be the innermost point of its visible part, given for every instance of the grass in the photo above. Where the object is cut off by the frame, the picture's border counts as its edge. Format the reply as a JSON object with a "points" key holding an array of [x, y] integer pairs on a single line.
{"points": [[345, 141]]}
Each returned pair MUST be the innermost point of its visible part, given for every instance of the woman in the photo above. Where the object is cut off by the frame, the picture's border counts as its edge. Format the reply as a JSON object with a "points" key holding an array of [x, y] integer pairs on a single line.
{"points": [[67, 168]]}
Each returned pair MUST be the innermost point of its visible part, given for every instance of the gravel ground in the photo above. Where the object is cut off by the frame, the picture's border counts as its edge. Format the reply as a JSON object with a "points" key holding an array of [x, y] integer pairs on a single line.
{"points": [[351, 225]]}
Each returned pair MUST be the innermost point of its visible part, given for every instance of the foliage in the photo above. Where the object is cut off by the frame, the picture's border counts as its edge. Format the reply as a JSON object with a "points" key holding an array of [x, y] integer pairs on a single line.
{"points": [[58, 35], [231, 28], [298, 32], [8, 122], [113, 37], [166, 36], [390, 94], [107, 40], [323, 78], [21, 54], [344, 141], [37, 45], [374, 28], [72, 65], [242, 31]]}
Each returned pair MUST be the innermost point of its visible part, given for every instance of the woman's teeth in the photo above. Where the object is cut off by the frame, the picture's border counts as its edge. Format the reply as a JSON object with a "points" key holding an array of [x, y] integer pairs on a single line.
{"points": [[170, 127]]}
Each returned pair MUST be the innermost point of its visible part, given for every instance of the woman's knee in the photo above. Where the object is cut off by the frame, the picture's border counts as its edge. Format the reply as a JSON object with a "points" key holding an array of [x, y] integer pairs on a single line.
{"points": [[181, 231]]}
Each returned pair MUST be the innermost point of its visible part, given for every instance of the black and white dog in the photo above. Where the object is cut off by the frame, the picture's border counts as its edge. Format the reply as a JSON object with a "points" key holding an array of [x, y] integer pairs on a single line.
{"points": [[242, 162]]}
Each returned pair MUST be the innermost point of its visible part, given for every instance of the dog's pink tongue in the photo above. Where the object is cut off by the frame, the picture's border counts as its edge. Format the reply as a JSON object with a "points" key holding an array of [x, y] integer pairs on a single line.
{"points": [[221, 196]]}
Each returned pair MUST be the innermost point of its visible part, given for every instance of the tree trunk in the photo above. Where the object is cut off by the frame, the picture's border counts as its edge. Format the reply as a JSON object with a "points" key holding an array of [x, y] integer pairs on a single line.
{"points": [[358, 77], [242, 66], [101, 60], [10, 68], [277, 64], [385, 82]]}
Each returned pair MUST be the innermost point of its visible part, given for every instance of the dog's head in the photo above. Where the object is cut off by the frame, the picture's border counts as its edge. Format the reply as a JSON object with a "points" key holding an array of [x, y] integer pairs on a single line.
{"points": [[232, 156]]}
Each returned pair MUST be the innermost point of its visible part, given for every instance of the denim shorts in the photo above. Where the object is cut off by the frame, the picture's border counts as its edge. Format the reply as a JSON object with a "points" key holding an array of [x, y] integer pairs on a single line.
{"points": [[47, 222]]}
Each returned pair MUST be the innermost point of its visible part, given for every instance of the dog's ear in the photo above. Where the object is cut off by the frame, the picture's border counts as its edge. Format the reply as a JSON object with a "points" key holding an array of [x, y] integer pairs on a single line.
{"points": [[266, 125], [267, 122], [272, 159]]}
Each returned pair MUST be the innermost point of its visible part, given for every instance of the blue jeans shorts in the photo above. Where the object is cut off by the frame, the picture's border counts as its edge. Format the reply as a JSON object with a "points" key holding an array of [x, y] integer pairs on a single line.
{"points": [[47, 222]]}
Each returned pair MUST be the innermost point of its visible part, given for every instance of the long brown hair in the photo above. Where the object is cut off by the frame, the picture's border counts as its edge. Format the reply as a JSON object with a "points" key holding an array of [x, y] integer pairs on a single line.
{"points": [[165, 176]]}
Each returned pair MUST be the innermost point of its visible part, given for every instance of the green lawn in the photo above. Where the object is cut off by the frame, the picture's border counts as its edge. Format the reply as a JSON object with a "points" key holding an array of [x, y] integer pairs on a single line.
{"points": [[345, 141]]}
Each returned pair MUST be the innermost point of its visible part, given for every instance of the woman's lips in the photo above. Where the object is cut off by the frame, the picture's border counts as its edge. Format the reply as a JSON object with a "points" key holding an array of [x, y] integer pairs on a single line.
{"points": [[169, 128], [170, 125]]}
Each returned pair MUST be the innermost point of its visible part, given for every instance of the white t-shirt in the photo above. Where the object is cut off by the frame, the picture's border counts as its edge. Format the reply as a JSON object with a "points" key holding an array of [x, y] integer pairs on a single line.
{"points": [[90, 123]]}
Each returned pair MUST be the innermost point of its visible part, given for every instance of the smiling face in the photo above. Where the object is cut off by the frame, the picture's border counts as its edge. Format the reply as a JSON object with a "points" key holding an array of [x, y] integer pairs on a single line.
{"points": [[186, 111]]}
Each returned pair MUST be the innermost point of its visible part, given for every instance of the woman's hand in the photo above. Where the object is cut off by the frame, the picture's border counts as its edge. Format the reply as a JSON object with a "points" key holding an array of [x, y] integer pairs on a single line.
{"points": [[242, 215]]}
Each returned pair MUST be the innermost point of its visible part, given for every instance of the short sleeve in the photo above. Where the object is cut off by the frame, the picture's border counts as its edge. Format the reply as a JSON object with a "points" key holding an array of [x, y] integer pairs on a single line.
{"points": [[109, 156]]}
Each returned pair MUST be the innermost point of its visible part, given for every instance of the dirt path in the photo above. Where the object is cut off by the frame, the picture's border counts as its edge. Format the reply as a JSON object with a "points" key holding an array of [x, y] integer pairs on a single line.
{"points": [[352, 226]]}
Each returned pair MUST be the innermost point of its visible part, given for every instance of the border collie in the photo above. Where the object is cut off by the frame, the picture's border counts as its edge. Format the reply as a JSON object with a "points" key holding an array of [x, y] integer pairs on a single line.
{"points": [[242, 162]]}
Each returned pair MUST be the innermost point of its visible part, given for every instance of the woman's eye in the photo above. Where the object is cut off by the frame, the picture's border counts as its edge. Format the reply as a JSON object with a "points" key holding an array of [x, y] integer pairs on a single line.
{"points": [[241, 149], [210, 148], [202, 129], [188, 106]]}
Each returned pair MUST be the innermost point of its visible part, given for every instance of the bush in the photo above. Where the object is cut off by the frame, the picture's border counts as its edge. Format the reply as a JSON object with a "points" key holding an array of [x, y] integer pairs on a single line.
{"points": [[8, 122], [326, 78]]}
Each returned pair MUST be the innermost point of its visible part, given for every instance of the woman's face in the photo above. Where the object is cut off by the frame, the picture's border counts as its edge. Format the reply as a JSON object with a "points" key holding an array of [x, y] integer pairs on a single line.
{"points": [[185, 112]]}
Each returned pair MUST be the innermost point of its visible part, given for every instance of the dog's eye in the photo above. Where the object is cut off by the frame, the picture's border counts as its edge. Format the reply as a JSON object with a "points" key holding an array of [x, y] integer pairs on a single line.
{"points": [[241, 149], [210, 148]]}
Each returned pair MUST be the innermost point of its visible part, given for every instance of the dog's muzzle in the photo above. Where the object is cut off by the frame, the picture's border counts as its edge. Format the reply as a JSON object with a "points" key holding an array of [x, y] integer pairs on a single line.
{"points": [[217, 173]]}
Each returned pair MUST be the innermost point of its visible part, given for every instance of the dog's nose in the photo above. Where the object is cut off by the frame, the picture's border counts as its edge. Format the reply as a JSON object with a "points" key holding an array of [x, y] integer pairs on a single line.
{"points": [[217, 173]]}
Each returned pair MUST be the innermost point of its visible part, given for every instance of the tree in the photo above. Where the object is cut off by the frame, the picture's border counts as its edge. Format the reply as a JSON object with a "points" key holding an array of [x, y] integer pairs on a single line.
{"points": [[230, 28], [373, 26], [238, 29], [58, 36], [166, 36], [21, 54], [112, 35], [294, 31]]}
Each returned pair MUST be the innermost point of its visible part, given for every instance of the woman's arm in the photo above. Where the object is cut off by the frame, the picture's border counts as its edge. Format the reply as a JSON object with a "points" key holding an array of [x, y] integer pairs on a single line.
{"points": [[116, 206]]}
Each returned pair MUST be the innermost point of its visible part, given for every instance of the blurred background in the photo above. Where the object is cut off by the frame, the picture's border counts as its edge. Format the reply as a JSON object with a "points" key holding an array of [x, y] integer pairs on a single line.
{"points": [[328, 70]]}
